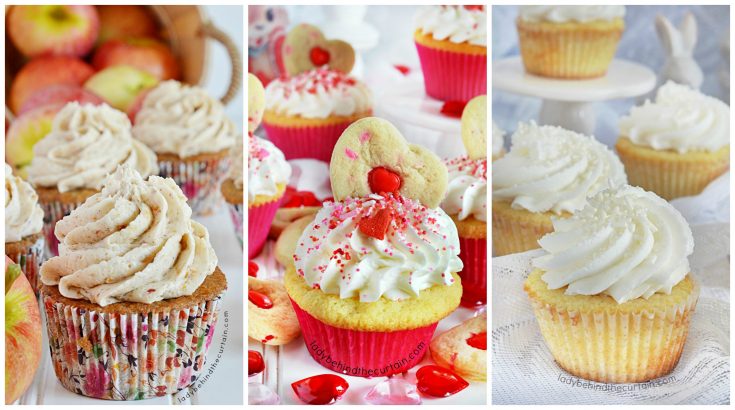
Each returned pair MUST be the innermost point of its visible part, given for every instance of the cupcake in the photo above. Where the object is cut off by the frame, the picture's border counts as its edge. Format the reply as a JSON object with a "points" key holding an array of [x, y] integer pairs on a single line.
{"points": [[191, 136], [86, 142], [268, 173], [24, 241], [498, 142], [375, 271], [306, 114], [572, 42], [232, 188], [132, 299], [452, 45], [676, 145], [549, 171], [613, 295]]}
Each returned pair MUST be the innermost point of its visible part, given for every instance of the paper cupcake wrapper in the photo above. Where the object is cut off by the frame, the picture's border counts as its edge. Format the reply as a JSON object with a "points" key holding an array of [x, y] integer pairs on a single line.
{"points": [[565, 53], [452, 76], [54, 212], [473, 253], [129, 356], [199, 180], [315, 142], [363, 354], [512, 236], [260, 218], [237, 218], [616, 347], [30, 260]]}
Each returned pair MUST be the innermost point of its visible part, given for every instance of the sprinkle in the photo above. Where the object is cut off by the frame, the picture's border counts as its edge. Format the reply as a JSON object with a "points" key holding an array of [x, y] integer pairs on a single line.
{"points": [[350, 154]]}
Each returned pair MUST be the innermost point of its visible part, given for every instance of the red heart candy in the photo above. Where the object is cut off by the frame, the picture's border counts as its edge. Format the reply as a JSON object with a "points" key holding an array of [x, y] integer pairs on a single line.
{"points": [[319, 56], [404, 69], [255, 363], [474, 7], [478, 341], [383, 180], [260, 300], [375, 226], [295, 199], [439, 382], [320, 389], [453, 109], [253, 269]]}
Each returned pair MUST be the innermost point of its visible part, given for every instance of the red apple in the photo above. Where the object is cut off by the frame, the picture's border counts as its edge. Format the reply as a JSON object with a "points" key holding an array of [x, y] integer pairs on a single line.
{"points": [[44, 71], [119, 22], [25, 131], [143, 53], [119, 85], [22, 333], [59, 94], [53, 29]]}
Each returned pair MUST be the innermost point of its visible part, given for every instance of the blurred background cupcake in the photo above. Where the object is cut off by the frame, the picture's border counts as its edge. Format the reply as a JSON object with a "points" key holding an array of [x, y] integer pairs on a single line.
{"points": [[569, 41], [452, 46], [232, 187]]}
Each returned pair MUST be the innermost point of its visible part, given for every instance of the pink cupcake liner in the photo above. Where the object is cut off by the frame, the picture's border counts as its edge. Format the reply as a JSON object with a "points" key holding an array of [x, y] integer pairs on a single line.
{"points": [[237, 217], [54, 212], [115, 356], [473, 253], [200, 181], [260, 218], [315, 142], [30, 261], [451, 76], [363, 354]]}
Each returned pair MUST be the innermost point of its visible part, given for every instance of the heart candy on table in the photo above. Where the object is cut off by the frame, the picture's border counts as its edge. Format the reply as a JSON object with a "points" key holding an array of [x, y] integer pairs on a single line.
{"points": [[306, 48], [437, 381], [474, 127], [256, 102], [256, 364], [372, 157], [320, 389]]}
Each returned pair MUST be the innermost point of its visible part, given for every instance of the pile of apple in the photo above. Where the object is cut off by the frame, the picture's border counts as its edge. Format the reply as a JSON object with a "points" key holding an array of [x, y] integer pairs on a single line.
{"points": [[89, 54]]}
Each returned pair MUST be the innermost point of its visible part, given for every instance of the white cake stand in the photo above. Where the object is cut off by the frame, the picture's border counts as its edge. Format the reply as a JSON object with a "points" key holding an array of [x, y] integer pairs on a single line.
{"points": [[570, 103]]}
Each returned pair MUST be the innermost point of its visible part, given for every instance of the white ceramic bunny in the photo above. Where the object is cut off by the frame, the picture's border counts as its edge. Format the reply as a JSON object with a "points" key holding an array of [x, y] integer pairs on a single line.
{"points": [[679, 46]]}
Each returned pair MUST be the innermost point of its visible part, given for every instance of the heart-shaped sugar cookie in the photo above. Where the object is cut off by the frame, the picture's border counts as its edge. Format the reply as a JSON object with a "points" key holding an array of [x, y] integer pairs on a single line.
{"points": [[306, 48], [256, 102], [463, 348], [474, 127], [372, 156]]}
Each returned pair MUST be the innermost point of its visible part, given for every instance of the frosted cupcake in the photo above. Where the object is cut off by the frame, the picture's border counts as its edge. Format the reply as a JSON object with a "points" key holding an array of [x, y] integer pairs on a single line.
{"points": [[138, 278], [548, 171], [452, 45], [24, 242], [306, 114], [69, 164], [676, 145], [613, 294], [569, 41], [498, 142], [191, 136]]}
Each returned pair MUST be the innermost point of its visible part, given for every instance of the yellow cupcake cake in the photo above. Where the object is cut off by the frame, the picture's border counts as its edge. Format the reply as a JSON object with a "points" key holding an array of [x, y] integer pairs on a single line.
{"points": [[548, 171], [569, 41], [613, 294], [676, 145]]}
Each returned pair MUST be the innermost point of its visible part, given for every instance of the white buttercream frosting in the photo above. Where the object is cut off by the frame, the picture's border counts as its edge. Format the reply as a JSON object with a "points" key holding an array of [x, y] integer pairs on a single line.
{"points": [[458, 24], [466, 189], [23, 214], [267, 168], [563, 14], [498, 140]]}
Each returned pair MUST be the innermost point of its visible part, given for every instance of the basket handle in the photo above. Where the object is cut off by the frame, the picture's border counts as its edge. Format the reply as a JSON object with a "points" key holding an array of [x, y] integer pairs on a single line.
{"points": [[209, 30]]}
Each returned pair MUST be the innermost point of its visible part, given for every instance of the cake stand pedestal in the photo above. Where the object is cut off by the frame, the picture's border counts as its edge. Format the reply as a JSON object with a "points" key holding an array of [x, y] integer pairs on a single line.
{"points": [[571, 103]]}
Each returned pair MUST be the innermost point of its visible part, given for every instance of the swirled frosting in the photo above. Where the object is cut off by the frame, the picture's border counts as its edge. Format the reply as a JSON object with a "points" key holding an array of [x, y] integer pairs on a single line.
{"points": [[420, 249], [458, 24], [577, 13], [87, 142], [134, 241], [467, 188], [498, 141], [23, 215], [627, 243], [267, 168], [180, 119], [237, 153], [318, 93], [552, 169], [681, 119]]}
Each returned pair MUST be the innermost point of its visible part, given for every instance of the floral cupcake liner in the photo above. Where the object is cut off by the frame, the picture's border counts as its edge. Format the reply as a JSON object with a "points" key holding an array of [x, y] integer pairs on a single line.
{"points": [[473, 253], [363, 354], [116, 356], [260, 218], [53, 212], [315, 142], [452, 76], [199, 180], [30, 260], [237, 218]]}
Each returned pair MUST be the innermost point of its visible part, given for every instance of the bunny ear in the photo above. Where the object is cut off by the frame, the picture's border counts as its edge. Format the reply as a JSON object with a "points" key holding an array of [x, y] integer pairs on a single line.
{"points": [[688, 29], [666, 33]]}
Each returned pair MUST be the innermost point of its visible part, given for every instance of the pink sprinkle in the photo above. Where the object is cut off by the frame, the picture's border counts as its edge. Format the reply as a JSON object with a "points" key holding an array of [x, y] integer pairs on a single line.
{"points": [[365, 136], [350, 153], [263, 153]]}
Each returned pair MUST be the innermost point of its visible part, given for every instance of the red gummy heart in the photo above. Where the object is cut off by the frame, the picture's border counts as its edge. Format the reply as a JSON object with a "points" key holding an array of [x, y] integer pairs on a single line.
{"points": [[320, 389], [383, 180], [294, 199], [453, 109], [439, 382], [474, 7], [255, 363], [253, 269], [376, 226], [404, 69], [260, 300], [478, 341], [319, 56]]}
